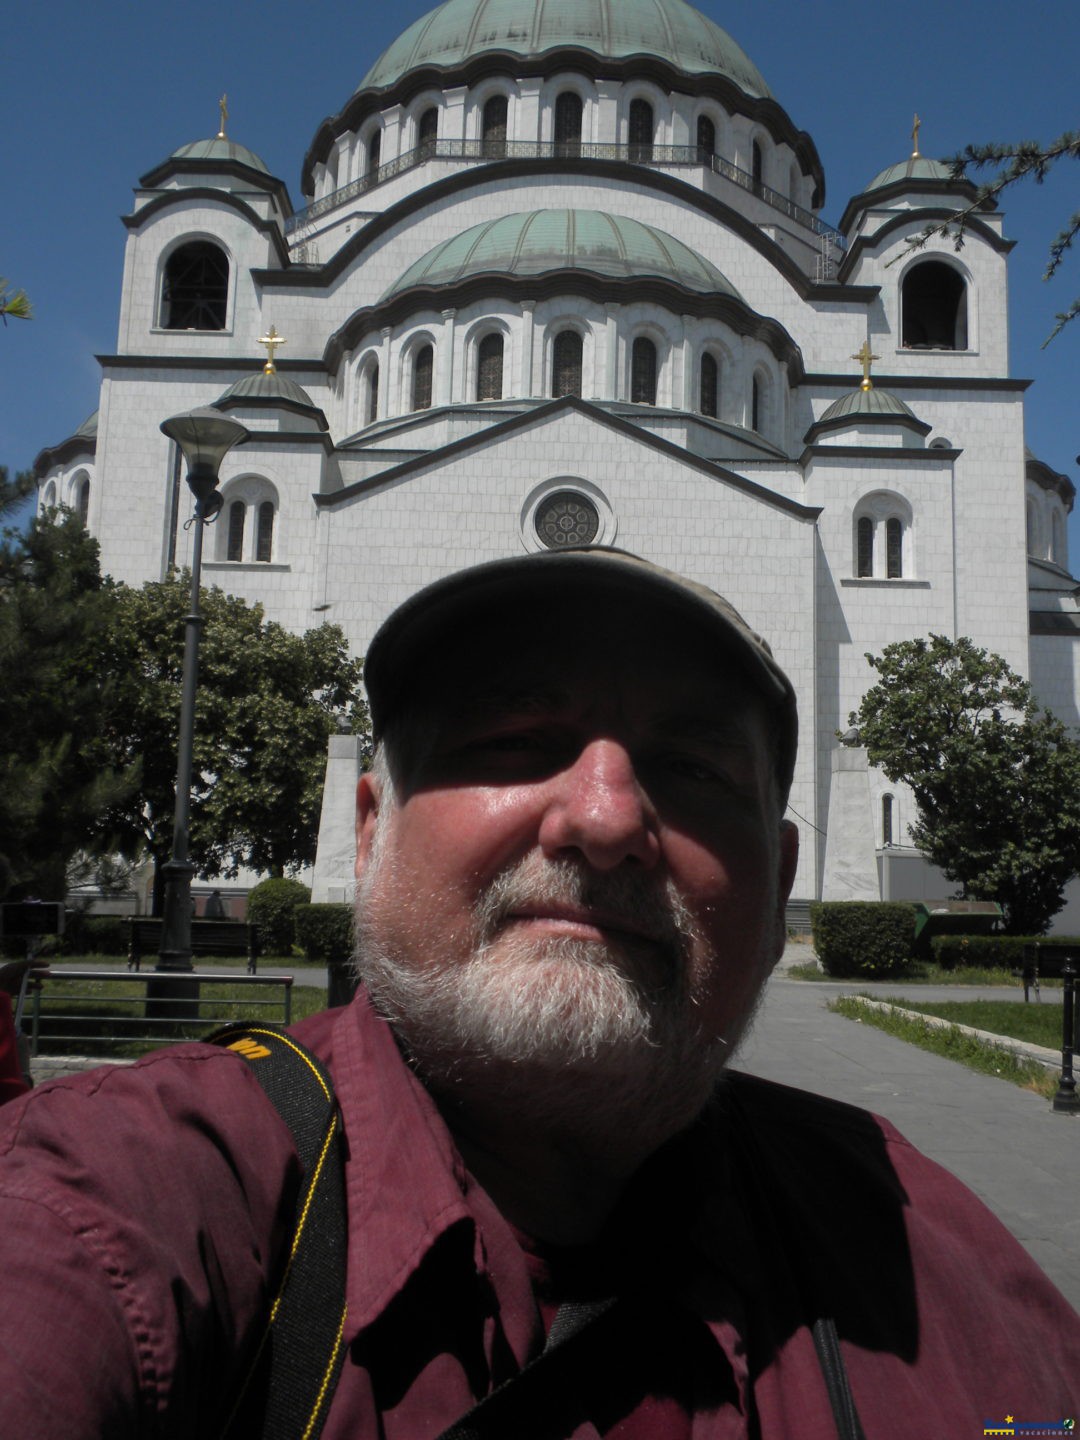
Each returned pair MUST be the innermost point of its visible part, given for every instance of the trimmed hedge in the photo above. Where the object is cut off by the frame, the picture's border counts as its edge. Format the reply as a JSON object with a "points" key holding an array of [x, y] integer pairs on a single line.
{"points": [[270, 909], [868, 938], [324, 932], [990, 952], [95, 934]]}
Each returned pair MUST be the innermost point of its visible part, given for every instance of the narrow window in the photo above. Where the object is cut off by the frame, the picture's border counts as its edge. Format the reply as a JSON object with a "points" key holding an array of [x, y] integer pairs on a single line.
{"points": [[568, 124], [264, 539], [886, 819], [195, 288], [757, 404], [429, 132], [489, 368], [372, 395], [494, 128], [757, 165], [48, 501], [423, 367], [643, 372], [83, 505], [710, 385], [933, 302], [566, 364], [706, 139], [864, 533], [894, 549], [1057, 540], [374, 150], [642, 130], [235, 548]]}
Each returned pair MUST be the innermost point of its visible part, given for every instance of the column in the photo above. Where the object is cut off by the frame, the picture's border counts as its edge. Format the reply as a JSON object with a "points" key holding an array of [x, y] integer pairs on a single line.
{"points": [[611, 352], [528, 308], [445, 389]]}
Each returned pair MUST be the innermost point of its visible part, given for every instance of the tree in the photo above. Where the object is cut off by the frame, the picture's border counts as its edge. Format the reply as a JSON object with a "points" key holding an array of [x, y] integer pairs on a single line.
{"points": [[14, 302], [1023, 161], [266, 704], [57, 780], [996, 779]]}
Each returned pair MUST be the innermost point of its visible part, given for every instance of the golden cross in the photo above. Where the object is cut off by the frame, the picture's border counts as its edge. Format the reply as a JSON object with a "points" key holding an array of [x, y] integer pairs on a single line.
{"points": [[866, 356], [223, 106], [915, 138], [271, 341]]}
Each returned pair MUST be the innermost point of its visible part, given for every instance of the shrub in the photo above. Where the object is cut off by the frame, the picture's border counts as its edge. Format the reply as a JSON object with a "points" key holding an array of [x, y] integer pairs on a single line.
{"points": [[989, 952], [324, 932], [270, 909], [868, 938], [95, 934]]}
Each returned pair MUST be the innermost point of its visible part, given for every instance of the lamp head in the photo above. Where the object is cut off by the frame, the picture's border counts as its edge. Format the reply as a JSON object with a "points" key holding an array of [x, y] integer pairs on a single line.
{"points": [[205, 436]]}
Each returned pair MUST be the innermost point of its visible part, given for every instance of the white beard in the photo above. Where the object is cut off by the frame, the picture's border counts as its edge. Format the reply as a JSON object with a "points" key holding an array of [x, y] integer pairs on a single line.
{"points": [[582, 1038]]}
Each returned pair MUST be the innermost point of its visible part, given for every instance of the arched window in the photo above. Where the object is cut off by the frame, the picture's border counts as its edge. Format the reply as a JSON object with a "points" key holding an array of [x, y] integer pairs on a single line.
{"points": [[706, 139], [864, 539], [489, 368], [933, 304], [1032, 520], [82, 500], [710, 386], [423, 370], [568, 123], [642, 131], [374, 151], [757, 403], [195, 288], [894, 548], [566, 364], [235, 548], [643, 372], [371, 408], [494, 128], [428, 132], [264, 538], [48, 499], [1057, 539], [886, 820], [757, 166]]}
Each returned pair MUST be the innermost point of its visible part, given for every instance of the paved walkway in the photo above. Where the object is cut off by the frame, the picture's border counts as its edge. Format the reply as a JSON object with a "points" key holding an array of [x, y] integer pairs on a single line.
{"points": [[1006, 1144]]}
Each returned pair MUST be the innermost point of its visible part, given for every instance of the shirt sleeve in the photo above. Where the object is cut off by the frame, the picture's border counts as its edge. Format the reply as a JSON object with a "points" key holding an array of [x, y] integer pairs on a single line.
{"points": [[143, 1218], [12, 1084]]}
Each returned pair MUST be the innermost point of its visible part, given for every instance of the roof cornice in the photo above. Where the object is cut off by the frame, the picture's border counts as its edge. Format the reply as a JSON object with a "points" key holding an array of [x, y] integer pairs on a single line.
{"points": [[207, 194], [973, 225]]}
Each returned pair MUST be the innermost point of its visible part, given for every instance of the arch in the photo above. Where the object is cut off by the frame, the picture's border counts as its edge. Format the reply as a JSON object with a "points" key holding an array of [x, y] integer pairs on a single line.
{"points": [[489, 367], [250, 521], [882, 538], [864, 544], [933, 307], [709, 386], [264, 534], [234, 545], [423, 374], [374, 155], [48, 496], [641, 131], [757, 165], [706, 139], [886, 820], [195, 287], [567, 357], [427, 134], [643, 370], [760, 402], [82, 498], [569, 112], [369, 381], [493, 127], [894, 547]]}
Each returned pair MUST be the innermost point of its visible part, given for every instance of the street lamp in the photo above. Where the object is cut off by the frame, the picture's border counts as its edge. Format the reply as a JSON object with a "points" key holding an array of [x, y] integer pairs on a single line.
{"points": [[204, 435]]}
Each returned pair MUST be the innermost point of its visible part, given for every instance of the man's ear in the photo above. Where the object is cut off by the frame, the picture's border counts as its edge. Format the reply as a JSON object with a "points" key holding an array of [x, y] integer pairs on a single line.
{"points": [[367, 814]]}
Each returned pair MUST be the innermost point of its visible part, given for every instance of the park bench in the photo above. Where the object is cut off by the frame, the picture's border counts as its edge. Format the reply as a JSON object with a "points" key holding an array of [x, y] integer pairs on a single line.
{"points": [[208, 937], [1045, 960]]}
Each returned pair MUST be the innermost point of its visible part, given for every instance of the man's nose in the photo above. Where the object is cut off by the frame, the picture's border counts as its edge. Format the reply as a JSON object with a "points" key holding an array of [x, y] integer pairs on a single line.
{"points": [[599, 808]]}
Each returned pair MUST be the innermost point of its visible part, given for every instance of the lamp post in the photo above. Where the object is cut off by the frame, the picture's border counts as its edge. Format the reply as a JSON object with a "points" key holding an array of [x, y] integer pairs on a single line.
{"points": [[205, 436]]}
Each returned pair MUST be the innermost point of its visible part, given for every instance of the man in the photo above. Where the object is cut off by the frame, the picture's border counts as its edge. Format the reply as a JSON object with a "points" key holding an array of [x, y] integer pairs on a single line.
{"points": [[572, 866]]}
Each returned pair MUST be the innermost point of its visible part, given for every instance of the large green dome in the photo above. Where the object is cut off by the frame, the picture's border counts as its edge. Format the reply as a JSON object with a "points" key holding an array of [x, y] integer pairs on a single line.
{"points": [[670, 29], [541, 241]]}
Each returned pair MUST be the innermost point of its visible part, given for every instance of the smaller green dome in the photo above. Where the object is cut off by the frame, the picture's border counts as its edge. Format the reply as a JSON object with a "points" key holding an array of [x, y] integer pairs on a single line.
{"points": [[866, 402], [261, 386], [539, 242], [88, 429], [220, 149], [913, 169]]}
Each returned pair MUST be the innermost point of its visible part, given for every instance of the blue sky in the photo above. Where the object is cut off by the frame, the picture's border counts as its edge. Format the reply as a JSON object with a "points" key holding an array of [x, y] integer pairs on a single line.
{"points": [[96, 95]]}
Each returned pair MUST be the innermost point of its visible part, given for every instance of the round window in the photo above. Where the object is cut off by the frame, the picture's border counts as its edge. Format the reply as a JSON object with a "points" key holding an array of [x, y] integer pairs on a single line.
{"points": [[566, 518]]}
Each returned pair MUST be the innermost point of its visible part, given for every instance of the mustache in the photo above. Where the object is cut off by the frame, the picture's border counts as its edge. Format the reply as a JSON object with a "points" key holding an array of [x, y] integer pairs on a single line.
{"points": [[650, 911]]}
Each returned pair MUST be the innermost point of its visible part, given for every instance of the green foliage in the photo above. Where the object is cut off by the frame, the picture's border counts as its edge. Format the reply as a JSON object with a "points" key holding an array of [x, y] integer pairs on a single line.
{"points": [[15, 303], [324, 932], [59, 778], [95, 934], [870, 938], [994, 952], [996, 779], [270, 909], [1032, 1024]]}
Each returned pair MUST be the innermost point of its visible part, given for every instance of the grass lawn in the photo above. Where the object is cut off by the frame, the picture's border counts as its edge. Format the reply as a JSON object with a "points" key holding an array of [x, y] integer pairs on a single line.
{"points": [[921, 972], [1037, 1024]]}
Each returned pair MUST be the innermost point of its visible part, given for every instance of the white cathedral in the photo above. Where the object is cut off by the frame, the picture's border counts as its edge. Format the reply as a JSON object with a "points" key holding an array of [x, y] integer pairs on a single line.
{"points": [[560, 275]]}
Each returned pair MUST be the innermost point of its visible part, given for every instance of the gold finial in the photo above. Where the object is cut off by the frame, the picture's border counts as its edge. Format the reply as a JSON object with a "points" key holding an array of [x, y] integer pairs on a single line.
{"points": [[866, 357], [223, 106], [271, 340], [915, 138]]}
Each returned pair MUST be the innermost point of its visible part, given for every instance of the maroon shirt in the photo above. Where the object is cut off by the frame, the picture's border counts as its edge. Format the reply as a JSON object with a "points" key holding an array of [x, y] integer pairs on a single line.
{"points": [[143, 1213]]}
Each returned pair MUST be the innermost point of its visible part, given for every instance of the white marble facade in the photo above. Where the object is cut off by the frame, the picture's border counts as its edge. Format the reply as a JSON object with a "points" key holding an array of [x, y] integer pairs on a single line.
{"points": [[595, 292]]}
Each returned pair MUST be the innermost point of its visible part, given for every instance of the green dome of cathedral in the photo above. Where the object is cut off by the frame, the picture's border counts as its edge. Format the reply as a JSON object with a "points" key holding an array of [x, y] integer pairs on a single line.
{"points": [[670, 29], [914, 169], [220, 148], [541, 241]]}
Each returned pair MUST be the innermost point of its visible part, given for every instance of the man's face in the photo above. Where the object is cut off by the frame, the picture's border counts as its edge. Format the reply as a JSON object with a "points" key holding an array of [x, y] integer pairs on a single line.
{"points": [[587, 789]]}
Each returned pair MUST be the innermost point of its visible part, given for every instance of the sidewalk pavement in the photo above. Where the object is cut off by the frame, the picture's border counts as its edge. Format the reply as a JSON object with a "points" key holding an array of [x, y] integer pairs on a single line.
{"points": [[1005, 1143]]}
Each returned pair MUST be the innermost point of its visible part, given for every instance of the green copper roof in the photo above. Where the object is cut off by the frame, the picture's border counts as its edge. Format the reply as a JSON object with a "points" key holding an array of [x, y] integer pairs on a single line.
{"points": [[260, 386], [914, 169], [541, 241], [670, 29], [219, 149], [866, 402], [88, 428]]}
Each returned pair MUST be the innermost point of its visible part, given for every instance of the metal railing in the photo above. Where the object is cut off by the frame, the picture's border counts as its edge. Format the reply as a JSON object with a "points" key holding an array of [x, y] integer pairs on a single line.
{"points": [[76, 1013], [487, 151]]}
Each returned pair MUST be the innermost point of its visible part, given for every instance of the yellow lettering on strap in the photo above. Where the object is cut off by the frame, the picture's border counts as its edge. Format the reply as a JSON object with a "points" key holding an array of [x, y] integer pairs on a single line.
{"points": [[250, 1048]]}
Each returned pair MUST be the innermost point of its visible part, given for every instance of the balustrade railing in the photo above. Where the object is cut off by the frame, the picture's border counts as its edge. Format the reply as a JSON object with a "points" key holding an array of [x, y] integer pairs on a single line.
{"points": [[662, 156]]}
